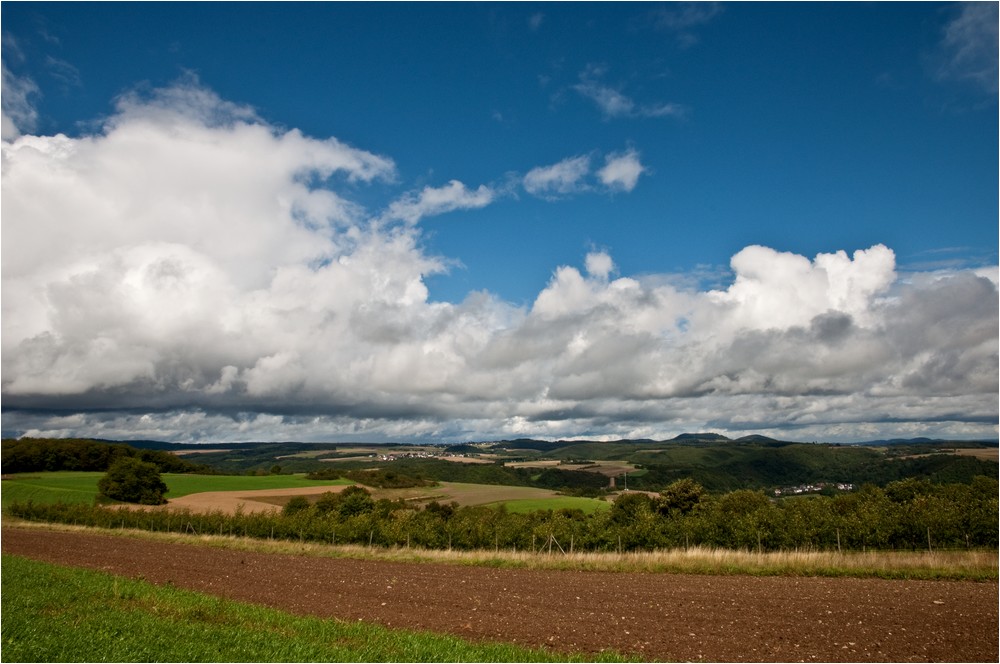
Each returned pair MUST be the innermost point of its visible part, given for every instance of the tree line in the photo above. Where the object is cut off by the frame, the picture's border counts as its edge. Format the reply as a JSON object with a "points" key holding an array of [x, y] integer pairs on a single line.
{"points": [[32, 455], [909, 514]]}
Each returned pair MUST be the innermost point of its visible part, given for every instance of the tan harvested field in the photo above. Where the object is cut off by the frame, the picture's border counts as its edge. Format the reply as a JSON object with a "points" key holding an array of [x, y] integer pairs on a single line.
{"points": [[455, 459], [608, 468], [311, 454], [984, 453], [656, 617], [541, 463], [187, 452], [264, 500], [273, 499], [350, 458]]}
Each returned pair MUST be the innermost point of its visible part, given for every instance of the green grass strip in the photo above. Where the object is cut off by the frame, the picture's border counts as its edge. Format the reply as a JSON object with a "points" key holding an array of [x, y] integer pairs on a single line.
{"points": [[61, 614]]}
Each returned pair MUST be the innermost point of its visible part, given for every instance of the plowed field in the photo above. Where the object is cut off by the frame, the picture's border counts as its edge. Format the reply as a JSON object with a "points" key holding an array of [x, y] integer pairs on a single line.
{"points": [[656, 616]]}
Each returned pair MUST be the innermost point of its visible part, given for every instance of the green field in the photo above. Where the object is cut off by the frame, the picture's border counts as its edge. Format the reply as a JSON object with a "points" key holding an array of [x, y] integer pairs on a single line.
{"points": [[588, 505], [81, 487], [52, 614], [61, 486]]}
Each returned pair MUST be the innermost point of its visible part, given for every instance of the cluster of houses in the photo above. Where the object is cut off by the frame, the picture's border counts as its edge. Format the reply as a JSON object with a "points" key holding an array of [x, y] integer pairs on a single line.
{"points": [[813, 488], [411, 455]]}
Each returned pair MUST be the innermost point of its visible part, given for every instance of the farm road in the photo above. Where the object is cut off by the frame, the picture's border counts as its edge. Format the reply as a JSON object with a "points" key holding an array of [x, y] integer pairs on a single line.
{"points": [[656, 616]]}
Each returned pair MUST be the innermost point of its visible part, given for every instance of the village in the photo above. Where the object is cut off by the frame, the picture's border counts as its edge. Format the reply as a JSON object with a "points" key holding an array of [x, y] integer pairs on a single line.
{"points": [[813, 488]]}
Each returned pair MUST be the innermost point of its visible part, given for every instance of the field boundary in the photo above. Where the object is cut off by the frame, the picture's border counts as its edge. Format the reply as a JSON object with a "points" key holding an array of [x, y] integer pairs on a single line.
{"points": [[971, 566]]}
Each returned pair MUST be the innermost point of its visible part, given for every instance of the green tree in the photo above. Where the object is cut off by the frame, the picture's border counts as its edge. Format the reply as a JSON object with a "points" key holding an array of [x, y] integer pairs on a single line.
{"points": [[133, 481], [681, 497], [295, 505]]}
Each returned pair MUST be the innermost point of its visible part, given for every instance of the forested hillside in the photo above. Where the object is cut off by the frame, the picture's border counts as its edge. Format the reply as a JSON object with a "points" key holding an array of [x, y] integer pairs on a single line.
{"points": [[26, 455]]}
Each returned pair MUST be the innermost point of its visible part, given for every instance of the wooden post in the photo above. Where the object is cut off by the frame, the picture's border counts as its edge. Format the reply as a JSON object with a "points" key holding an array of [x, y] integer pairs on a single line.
{"points": [[838, 541], [929, 549]]}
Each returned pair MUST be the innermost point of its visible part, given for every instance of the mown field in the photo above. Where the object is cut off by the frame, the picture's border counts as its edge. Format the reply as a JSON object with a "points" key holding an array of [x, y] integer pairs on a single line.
{"points": [[53, 613], [81, 487]]}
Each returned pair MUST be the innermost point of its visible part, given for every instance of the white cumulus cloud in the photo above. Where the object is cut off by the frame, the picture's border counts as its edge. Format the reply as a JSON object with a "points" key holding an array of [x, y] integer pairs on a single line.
{"points": [[621, 171], [432, 201], [565, 177], [191, 272]]}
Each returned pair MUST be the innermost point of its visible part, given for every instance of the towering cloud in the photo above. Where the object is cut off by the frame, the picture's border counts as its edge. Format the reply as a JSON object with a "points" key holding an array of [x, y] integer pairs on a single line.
{"points": [[190, 271]]}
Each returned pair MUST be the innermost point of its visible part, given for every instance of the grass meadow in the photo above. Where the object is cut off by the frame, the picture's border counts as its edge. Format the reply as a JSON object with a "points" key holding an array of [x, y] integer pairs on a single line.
{"points": [[62, 486], [61, 614], [81, 487], [587, 505]]}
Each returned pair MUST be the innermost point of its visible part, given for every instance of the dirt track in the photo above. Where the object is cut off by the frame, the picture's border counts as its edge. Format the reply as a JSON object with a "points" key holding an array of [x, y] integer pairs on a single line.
{"points": [[657, 616]]}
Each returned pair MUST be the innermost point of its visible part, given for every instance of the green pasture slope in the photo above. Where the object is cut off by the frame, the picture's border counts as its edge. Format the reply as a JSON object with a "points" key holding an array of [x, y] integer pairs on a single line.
{"points": [[52, 487], [59, 614], [81, 487], [587, 505]]}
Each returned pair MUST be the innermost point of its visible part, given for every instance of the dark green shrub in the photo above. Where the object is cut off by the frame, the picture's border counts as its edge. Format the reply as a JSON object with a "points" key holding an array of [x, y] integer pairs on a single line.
{"points": [[130, 480], [295, 505]]}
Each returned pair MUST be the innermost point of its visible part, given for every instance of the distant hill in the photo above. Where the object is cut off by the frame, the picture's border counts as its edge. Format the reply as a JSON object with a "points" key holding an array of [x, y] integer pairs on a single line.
{"points": [[937, 442], [708, 437]]}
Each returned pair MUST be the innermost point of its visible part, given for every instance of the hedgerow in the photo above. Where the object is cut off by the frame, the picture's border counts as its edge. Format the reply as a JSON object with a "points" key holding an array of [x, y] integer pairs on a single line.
{"points": [[911, 514]]}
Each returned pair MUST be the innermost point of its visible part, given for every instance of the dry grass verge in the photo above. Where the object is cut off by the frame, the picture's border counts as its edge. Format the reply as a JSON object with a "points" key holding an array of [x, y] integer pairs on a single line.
{"points": [[937, 565]]}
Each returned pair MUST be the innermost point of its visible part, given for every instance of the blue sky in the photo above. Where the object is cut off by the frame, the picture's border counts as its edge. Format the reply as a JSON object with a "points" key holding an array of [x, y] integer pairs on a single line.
{"points": [[502, 149]]}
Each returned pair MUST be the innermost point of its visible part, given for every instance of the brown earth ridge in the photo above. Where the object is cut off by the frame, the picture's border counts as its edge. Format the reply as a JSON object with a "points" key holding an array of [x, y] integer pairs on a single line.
{"points": [[658, 617]]}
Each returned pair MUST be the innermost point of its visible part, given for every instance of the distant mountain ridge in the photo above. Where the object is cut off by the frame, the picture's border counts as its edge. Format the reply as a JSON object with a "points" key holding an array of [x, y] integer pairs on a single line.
{"points": [[548, 445]]}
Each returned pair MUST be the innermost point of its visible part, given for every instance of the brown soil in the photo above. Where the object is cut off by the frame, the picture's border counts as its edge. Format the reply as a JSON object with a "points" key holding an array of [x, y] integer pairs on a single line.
{"points": [[261, 500], [659, 617]]}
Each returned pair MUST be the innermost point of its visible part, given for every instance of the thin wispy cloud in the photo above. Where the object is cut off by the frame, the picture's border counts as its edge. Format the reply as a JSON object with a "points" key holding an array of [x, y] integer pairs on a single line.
{"points": [[19, 112], [680, 19], [613, 103], [969, 46]]}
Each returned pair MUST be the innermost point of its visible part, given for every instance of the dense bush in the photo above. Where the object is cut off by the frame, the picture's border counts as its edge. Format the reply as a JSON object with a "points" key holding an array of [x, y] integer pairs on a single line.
{"points": [[131, 480]]}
